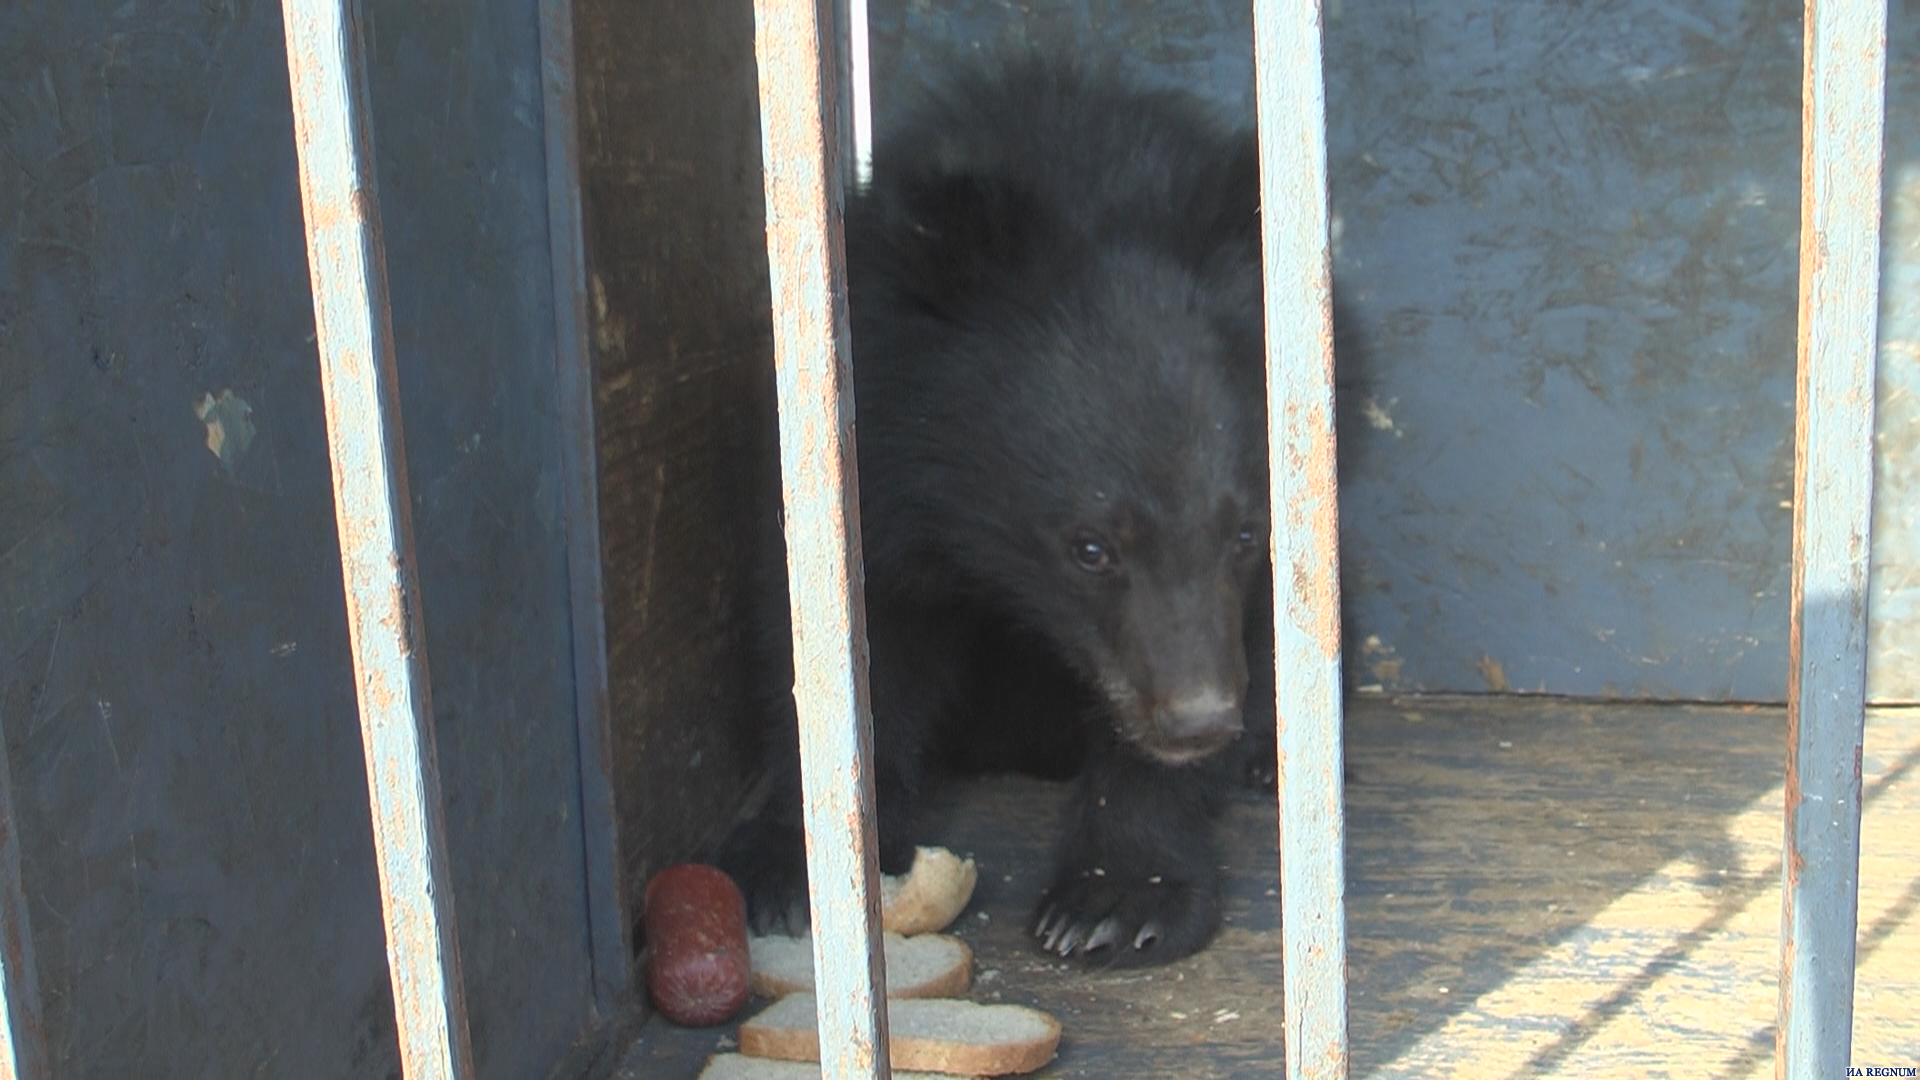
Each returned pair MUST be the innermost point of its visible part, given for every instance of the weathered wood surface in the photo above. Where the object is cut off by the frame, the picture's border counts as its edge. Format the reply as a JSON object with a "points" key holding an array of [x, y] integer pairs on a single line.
{"points": [[1536, 888], [683, 355]]}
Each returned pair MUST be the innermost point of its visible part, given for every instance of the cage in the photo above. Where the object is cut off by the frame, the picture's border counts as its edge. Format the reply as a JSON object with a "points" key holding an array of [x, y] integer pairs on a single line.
{"points": [[1570, 237]]}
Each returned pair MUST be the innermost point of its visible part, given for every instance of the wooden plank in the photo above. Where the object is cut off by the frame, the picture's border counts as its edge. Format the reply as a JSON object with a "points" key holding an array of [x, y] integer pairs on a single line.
{"points": [[1536, 888], [1306, 532], [353, 323], [802, 149], [681, 333], [1844, 101], [610, 944]]}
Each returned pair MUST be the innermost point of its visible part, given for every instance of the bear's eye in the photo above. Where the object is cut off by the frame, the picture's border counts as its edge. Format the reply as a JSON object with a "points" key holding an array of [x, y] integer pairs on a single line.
{"points": [[1248, 539], [1092, 554]]}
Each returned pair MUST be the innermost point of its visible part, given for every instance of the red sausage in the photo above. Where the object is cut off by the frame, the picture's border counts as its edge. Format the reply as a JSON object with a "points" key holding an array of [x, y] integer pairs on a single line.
{"points": [[698, 970]]}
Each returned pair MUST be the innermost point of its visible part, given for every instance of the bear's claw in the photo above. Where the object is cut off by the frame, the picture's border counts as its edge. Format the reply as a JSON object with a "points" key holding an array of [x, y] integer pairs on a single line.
{"points": [[1087, 918]]}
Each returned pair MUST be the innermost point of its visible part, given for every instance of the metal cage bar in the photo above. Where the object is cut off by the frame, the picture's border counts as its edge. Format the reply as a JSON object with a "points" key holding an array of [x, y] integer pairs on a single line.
{"points": [[860, 89], [1843, 107], [353, 325], [1306, 580], [801, 49]]}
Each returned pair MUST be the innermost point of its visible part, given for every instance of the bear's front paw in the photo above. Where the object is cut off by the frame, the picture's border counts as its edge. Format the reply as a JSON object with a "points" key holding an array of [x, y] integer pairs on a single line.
{"points": [[1111, 921], [769, 863]]}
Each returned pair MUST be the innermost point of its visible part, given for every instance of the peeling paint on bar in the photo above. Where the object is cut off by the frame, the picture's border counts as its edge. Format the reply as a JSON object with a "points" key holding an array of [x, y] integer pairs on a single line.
{"points": [[353, 326], [610, 946], [1843, 108], [23, 1034], [1293, 170], [802, 143]]}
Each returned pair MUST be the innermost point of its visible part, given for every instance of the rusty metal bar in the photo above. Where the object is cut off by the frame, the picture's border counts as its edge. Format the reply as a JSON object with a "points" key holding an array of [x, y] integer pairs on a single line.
{"points": [[1306, 597], [609, 945], [23, 1036], [1843, 113], [353, 322], [802, 146]]}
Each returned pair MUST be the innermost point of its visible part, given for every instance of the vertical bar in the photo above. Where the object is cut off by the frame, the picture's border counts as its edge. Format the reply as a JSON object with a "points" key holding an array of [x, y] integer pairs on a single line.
{"points": [[802, 146], [353, 325], [608, 944], [1843, 107], [23, 1037], [1306, 594], [860, 80], [851, 115]]}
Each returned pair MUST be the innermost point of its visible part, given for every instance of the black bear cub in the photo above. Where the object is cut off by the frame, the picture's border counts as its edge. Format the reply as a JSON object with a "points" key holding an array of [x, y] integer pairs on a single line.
{"points": [[1054, 282]]}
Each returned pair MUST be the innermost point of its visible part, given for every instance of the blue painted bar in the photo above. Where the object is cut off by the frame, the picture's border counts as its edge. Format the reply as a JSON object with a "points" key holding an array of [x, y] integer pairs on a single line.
{"points": [[610, 946], [1291, 105], [23, 1035], [353, 326], [1844, 108], [802, 146]]}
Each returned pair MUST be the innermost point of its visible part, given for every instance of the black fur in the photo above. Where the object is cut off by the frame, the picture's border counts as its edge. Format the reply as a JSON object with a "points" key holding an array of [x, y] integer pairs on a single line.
{"points": [[1054, 283]]}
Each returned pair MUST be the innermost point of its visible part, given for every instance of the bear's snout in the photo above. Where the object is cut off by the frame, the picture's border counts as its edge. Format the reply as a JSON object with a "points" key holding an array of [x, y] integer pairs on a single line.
{"points": [[1206, 716], [1196, 725]]}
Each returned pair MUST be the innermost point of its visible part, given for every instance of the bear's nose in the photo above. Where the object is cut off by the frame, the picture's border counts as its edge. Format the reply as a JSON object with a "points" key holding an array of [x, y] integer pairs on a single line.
{"points": [[1202, 718]]}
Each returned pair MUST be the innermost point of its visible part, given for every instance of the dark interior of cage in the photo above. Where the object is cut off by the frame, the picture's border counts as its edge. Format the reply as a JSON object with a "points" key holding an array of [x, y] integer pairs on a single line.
{"points": [[1566, 449]]}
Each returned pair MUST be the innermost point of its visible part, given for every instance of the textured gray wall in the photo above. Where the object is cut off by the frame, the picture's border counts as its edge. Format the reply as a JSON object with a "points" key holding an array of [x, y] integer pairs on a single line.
{"points": [[174, 680], [1568, 231]]}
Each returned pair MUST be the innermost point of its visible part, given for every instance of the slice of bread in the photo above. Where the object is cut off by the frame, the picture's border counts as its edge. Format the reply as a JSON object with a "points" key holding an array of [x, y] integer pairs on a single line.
{"points": [[930, 895], [742, 1067], [931, 965], [942, 1035]]}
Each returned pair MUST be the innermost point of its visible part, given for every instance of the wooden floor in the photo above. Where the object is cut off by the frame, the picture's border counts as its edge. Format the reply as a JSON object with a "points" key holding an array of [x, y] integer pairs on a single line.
{"points": [[1535, 889]]}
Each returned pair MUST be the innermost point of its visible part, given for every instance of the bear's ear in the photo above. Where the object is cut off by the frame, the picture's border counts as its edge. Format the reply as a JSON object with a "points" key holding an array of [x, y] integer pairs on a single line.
{"points": [[956, 234]]}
